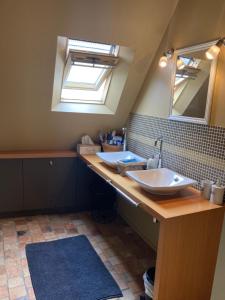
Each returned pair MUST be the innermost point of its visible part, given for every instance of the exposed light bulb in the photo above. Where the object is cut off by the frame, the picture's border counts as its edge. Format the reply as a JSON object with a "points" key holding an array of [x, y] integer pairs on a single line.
{"points": [[163, 61], [180, 64], [212, 52]]}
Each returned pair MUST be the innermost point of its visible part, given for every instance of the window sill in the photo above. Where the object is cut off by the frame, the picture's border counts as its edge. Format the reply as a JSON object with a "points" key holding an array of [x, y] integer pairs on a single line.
{"points": [[83, 108]]}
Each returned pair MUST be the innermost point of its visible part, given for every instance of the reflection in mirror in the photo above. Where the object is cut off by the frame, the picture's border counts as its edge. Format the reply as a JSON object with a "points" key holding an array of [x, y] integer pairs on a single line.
{"points": [[192, 85]]}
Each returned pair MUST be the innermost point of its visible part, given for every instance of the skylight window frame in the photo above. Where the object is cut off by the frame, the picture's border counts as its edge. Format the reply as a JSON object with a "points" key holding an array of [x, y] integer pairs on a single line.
{"points": [[79, 85], [104, 61], [101, 101], [114, 49]]}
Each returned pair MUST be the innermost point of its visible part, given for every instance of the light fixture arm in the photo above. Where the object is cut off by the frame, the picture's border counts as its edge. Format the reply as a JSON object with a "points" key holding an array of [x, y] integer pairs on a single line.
{"points": [[220, 42], [170, 52], [214, 50], [166, 56]]}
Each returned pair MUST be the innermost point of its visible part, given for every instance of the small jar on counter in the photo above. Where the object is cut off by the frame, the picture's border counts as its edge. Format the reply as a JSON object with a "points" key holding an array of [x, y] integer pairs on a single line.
{"points": [[217, 193]]}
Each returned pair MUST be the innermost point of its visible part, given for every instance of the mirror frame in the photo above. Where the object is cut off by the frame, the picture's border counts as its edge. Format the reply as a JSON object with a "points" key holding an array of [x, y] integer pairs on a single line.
{"points": [[206, 119]]}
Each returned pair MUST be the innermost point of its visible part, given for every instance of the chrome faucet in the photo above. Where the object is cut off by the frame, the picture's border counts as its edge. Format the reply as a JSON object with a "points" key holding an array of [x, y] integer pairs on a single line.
{"points": [[124, 138], [160, 141]]}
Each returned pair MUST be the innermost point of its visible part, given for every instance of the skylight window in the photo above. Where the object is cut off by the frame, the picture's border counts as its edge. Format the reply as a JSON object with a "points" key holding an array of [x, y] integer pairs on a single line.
{"points": [[87, 75], [88, 71]]}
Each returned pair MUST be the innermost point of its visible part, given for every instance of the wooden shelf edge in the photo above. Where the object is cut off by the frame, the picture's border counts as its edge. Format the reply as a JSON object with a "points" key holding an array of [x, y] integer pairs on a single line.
{"points": [[37, 154]]}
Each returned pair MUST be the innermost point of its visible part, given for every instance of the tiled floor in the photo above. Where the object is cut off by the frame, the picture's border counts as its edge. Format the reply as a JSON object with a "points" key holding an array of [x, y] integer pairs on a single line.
{"points": [[125, 255]]}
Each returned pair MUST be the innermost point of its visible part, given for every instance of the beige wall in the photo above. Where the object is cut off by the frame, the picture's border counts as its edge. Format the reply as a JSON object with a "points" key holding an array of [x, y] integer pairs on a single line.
{"points": [[193, 22], [29, 29]]}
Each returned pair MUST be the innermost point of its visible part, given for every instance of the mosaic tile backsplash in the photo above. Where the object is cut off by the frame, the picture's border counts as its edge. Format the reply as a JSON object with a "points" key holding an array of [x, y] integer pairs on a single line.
{"points": [[194, 150]]}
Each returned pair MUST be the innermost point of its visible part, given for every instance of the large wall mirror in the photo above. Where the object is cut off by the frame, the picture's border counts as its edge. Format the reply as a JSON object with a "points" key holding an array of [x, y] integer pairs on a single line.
{"points": [[193, 77]]}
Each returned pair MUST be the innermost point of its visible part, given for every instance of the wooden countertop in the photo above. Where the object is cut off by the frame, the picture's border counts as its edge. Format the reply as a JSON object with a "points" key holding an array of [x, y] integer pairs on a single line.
{"points": [[37, 154], [188, 201]]}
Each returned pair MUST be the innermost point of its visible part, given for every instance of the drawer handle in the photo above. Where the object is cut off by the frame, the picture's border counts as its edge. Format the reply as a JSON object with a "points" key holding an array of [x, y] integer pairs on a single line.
{"points": [[51, 163]]}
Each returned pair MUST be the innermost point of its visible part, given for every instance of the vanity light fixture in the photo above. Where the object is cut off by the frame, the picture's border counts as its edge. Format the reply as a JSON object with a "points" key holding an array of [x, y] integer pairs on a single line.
{"points": [[214, 50], [180, 63], [166, 56]]}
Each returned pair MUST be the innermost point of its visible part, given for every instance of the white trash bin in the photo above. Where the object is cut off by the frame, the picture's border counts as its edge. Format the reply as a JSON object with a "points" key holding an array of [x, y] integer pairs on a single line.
{"points": [[148, 286]]}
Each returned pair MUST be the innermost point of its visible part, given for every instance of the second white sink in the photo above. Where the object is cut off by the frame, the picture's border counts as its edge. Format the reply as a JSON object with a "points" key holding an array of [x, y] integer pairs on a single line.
{"points": [[161, 181], [112, 158]]}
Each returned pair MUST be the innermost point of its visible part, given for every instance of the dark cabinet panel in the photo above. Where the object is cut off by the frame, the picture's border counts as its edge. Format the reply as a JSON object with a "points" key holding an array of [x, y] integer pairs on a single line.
{"points": [[49, 183], [36, 176], [85, 182], [11, 185], [62, 183]]}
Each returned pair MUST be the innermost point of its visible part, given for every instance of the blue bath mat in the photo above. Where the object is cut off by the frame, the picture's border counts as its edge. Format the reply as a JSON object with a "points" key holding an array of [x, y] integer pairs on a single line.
{"points": [[69, 269]]}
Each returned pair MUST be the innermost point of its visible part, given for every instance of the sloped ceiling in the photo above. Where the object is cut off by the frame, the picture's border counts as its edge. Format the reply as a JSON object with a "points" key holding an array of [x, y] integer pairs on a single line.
{"points": [[28, 31]]}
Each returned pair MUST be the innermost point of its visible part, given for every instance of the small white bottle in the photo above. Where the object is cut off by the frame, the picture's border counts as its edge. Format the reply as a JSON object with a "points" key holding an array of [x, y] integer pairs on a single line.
{"points": [[153, 163], [206, 187], [217, 193]]}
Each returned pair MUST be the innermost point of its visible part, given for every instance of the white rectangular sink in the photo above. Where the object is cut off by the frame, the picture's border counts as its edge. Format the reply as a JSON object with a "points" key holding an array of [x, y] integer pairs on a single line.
{"points": [[111, 158], [161, 181]]}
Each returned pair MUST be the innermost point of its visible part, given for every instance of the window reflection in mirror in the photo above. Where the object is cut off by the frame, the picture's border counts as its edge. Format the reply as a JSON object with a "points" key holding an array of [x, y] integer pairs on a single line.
{"points": [[192, 85]]}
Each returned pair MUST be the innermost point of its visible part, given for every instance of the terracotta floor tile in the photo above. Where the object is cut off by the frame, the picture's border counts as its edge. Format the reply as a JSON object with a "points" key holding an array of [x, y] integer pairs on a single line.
{"points": [[116, 243], [2, 270], [15, 281], [2, 260], [21, 222], [46, 228], [3, 292], [59, 230], [72, 231], [28, 282], [82, 229], [115, 260], [11, 253], [10, 246], [135, 286], [13, 271], [3, 280], [121, 268], [31, 294], [17, 292], [23, 227]]}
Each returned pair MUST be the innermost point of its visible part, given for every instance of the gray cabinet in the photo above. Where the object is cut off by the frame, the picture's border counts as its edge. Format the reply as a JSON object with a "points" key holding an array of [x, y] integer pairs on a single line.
{"points": [[54, 184], [49, 183], [11, 185]]}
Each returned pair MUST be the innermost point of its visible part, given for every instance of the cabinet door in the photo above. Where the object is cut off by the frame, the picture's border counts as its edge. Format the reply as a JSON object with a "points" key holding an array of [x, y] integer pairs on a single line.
{"points": [[49, 183], [62, 183], [11, 185], [36, 174]]}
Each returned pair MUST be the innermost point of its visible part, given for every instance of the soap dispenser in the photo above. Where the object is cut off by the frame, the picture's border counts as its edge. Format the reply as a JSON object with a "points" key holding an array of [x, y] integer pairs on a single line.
{"points": [[217, 193], [153, 163]]}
